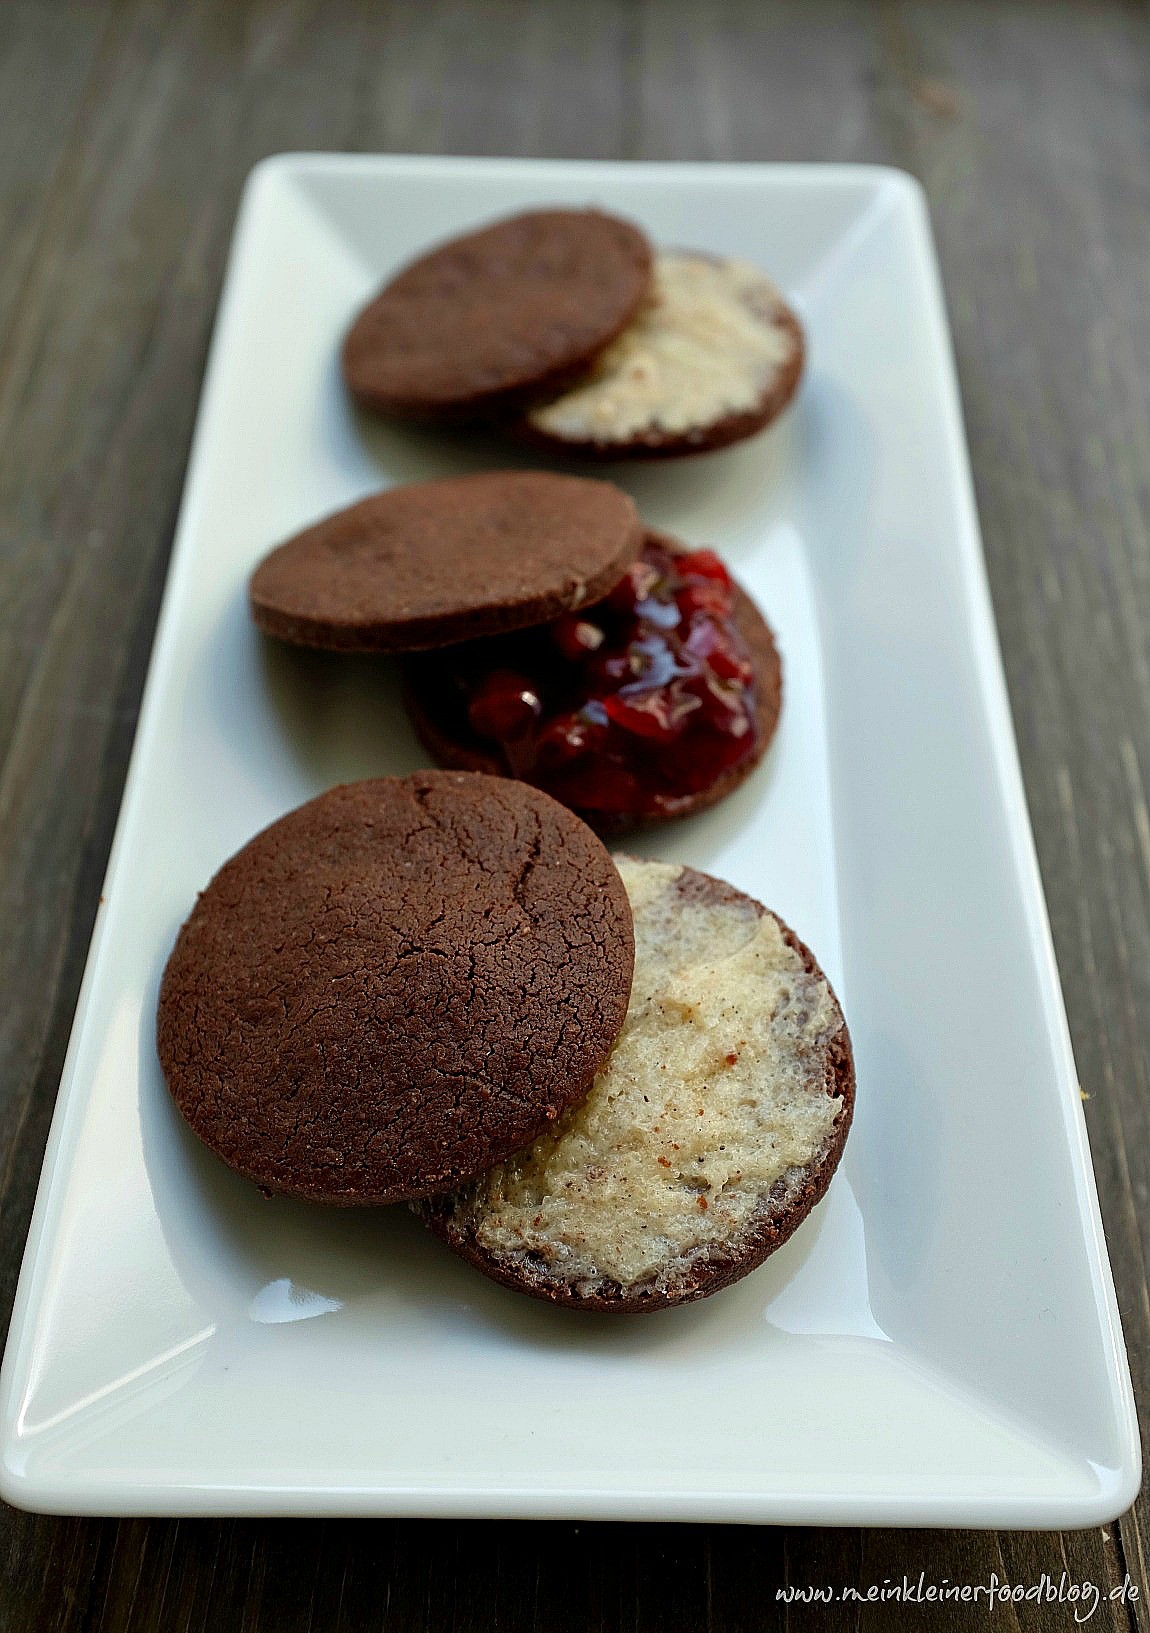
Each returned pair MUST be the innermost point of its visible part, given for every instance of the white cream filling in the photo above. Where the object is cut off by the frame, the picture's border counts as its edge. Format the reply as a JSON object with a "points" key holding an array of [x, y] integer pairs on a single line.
{"points": [[713, 1092], [708, 344]]}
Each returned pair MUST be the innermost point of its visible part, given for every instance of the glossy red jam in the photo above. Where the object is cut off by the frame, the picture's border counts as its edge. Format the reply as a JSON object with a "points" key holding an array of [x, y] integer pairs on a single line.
{"points": [[625, 709]]}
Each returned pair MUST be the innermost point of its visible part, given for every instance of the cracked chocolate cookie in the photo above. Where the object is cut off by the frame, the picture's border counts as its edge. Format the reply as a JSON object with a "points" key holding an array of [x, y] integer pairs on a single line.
{"points": [[713, 357], [395, 986], [498, 317], [432, 563], [708, 1136]]}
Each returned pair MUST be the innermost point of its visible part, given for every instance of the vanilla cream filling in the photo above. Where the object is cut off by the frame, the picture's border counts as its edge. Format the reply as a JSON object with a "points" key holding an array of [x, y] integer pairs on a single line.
{"points": [[713, 1092], [708, 344]]}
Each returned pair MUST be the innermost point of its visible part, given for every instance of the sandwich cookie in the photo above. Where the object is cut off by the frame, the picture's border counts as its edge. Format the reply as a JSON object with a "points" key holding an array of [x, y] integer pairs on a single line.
{"points": [[708, 1136]]}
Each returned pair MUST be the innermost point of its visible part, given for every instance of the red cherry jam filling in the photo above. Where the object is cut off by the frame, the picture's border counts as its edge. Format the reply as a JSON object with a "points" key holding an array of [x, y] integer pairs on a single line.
{"points": [[625, 708]]}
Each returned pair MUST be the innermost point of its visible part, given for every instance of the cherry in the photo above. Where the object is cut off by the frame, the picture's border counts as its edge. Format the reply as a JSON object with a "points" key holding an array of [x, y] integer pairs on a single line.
{"points": [[704, 595], [724, 708], [657, 715], [505, 706], [575, 637], [703, 564], [568, 736]]}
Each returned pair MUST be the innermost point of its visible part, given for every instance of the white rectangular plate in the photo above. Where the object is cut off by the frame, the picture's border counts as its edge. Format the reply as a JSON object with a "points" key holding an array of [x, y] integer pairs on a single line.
{"points": [[939, 1343]]}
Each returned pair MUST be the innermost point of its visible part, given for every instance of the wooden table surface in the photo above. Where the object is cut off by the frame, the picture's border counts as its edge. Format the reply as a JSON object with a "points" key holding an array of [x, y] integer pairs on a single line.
{"points": [[126, 129]]}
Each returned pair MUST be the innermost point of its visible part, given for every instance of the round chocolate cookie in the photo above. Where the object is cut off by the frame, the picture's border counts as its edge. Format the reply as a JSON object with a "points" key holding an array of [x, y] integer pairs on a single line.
{"points": [[706, 1139], [395, 986], [492, 320], [687, 773], [713, 357], [437, 562]]}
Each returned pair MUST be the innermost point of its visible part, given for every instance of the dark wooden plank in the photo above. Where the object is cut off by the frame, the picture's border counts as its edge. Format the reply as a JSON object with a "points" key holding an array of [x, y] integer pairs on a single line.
{"points": [[1030, 125], [1049, 152]]}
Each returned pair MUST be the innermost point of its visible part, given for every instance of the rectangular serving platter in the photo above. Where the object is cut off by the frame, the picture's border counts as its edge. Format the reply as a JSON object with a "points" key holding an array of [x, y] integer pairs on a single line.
{"points": [[939, 1343]]}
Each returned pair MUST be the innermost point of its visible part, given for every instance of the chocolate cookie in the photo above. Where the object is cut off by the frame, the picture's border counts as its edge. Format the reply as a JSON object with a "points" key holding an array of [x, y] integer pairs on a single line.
{"points": [[395, 986], [436, 562], [494, 319], [712, 358], [708, 1136], [699, 762]]}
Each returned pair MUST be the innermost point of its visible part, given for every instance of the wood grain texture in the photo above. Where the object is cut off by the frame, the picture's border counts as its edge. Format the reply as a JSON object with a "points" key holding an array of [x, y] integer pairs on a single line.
{"points": [[127, 127]]}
